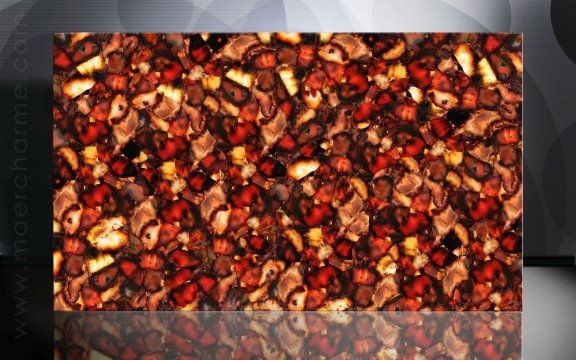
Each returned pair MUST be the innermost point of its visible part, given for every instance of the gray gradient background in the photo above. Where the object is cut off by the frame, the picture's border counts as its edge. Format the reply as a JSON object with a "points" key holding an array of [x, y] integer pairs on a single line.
{"points": [[549, 122], [549, 78]]}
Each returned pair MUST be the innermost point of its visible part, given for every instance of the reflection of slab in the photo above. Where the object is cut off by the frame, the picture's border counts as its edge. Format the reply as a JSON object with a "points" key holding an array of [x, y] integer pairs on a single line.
{"points": [[279, 335]]}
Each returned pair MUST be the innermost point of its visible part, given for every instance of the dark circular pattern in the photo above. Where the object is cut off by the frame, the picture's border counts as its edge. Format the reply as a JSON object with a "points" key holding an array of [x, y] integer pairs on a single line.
{"points": [[562, 17]]}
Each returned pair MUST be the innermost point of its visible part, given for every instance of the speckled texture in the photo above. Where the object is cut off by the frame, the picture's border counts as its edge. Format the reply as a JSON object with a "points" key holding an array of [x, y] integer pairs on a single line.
{"points": [[287, 171]]}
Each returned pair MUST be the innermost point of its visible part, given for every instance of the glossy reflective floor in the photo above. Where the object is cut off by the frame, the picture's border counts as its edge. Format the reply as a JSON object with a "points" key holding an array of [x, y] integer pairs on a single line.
{"points": [[548, 326], [549, 317]]}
